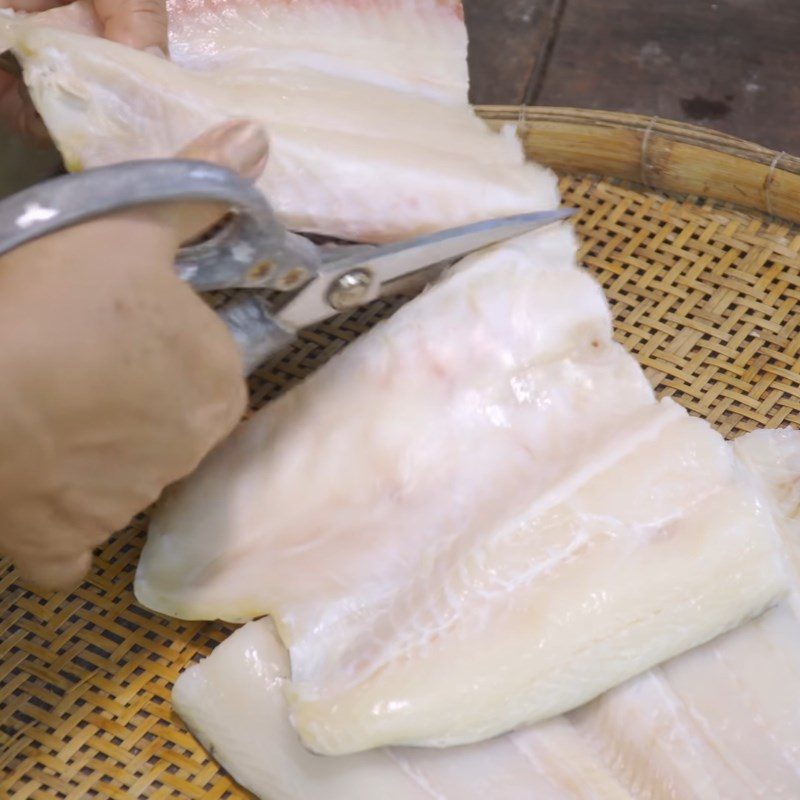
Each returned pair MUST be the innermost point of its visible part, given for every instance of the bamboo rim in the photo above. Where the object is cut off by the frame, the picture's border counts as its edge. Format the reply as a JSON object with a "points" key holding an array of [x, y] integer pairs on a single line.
{"points": [[659, 154]]}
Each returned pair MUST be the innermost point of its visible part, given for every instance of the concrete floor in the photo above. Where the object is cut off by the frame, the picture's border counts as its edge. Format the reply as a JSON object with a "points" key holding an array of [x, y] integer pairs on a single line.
{"points": [[733, 65]]}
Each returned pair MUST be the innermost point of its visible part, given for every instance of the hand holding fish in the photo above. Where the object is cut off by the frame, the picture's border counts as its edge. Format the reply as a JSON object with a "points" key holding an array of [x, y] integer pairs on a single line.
{"points": [[117, 378], [137, 23]]}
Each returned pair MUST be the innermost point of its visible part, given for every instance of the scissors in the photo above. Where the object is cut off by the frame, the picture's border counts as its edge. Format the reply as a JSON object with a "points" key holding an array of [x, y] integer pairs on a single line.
{"points": [[253, 250]]}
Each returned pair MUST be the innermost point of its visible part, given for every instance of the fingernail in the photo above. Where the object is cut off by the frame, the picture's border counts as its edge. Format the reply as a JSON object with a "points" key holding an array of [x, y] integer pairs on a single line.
{"points": [[240, 145], [245, 148]]}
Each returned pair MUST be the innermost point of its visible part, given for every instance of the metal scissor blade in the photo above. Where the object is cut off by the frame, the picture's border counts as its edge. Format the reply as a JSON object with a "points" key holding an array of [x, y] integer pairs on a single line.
{"points": [[382, 266], [388, 262]]}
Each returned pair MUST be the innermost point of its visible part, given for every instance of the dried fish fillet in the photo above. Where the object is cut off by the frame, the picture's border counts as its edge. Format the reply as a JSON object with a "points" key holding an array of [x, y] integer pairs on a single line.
{"points": [[774, 458], [715, 722], [372, 137], [722, 720], [475, 518], [604, 585], [234, 703]]}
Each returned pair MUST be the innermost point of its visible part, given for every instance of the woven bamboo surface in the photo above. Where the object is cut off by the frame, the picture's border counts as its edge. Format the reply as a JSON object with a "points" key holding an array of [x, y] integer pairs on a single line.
{"points": [[706, 295]]}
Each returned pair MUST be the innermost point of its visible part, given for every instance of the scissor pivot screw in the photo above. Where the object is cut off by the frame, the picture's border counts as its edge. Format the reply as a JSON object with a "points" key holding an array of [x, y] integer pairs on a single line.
{"points": [[350, 289]]}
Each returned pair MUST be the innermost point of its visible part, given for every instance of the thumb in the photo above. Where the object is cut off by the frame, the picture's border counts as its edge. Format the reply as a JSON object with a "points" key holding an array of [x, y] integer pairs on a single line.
{"points": [[239, 145]]}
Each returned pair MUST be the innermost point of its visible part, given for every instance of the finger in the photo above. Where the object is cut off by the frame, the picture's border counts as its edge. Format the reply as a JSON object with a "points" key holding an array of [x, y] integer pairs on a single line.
{"points": [[137, 23], [33, 5], [239, 145], [54, 574]]}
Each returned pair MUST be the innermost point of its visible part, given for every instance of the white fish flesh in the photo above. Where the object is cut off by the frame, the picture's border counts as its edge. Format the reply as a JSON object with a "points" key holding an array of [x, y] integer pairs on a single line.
{"points": [[774, 458], [474, 518], [372, 137], [722, 721], [234, 703], [717, 722]]}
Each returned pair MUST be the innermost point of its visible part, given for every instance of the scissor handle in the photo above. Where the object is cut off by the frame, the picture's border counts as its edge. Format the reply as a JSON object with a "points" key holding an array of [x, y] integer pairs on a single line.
{"points": [[257, 332], [236, 257], [253, 250]]}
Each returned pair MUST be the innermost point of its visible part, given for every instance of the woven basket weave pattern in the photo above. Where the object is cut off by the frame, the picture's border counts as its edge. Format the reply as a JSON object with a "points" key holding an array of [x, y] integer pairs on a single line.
{"points": [[705, 296]]}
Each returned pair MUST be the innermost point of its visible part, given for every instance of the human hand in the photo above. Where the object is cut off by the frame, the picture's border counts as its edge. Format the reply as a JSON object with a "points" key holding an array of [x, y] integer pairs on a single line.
{"points": [[137, 23], [115, 378]]}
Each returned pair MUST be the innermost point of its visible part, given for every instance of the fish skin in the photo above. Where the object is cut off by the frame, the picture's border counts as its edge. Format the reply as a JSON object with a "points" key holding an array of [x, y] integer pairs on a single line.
{"points": [[372, 137], [378, 587]]}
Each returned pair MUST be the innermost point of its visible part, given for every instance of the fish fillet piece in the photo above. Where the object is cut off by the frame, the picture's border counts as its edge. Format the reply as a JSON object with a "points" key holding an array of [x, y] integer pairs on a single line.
{"points": [[774, 458], [663, 551], [515, 349], [716, 722], [234, 702], [476, 517], [412, 46], [722, 720], [372, 137]]}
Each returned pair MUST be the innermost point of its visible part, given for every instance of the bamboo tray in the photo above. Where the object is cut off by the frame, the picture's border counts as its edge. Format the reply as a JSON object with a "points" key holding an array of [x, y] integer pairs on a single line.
{"points": [[705, 293]]}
